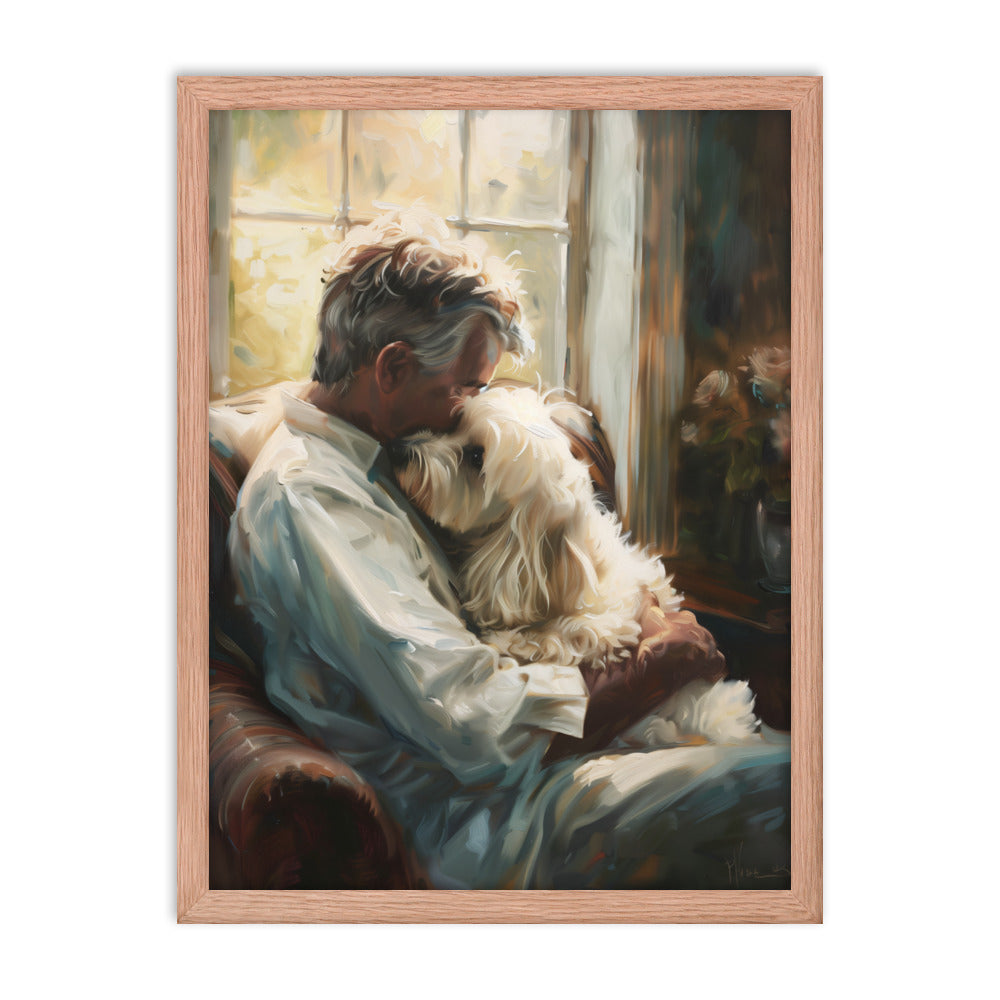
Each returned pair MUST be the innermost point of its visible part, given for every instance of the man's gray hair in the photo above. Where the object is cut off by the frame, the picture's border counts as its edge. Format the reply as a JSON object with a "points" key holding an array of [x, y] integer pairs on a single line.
{"points": [[396, 281]]}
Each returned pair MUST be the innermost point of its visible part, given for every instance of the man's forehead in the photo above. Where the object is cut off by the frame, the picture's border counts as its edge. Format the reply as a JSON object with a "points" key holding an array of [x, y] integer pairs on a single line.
{"points": [[482, 346]]}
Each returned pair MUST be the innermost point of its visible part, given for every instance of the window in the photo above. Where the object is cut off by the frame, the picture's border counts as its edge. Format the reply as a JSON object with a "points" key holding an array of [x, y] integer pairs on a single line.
{"points": [[560, 190], [289, 184]]}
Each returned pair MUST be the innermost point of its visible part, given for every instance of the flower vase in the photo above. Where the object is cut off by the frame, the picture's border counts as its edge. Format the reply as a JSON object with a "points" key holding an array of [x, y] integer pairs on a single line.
{"points": [[774, 533]]}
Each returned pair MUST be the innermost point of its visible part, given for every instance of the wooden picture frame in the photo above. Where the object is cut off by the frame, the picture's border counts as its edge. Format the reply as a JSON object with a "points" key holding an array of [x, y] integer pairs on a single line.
{"points": [[196, 903]]}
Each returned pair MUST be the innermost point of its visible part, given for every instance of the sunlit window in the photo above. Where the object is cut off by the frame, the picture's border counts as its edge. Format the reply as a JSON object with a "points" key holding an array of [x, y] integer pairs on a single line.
{"points": [[299, 180]]}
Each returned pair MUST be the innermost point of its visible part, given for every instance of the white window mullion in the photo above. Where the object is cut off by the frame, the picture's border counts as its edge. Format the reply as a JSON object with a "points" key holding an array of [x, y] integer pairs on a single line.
{"points": [[342, 222], [465, 141]]}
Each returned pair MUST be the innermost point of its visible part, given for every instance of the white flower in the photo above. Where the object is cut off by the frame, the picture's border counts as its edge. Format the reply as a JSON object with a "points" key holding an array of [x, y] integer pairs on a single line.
{"points": [[714, 386], [771, 369]]}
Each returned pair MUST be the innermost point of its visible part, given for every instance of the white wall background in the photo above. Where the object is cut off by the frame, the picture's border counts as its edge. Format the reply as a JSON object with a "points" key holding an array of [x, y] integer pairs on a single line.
{"points": [[911, 553]]}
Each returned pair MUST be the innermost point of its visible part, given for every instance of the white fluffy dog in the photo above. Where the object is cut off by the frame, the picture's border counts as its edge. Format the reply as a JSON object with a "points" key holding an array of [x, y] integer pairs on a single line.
{"points": [[546, 572]]}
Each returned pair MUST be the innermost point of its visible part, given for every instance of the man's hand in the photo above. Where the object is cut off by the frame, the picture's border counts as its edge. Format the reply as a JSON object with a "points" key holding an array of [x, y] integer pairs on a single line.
{"points": [[673, 650]]}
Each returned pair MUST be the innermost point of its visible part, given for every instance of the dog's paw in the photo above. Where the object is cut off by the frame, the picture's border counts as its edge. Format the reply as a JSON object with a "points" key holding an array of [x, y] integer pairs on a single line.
{"points": [[721, 712], [657, 732]]}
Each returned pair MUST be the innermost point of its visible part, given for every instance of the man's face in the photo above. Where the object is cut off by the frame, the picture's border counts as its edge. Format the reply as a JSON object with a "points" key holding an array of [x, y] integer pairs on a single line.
{"points": [[428, 400]]}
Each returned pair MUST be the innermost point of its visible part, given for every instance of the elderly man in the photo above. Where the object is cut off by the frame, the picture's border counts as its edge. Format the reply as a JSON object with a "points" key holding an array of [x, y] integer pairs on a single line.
{"points": [[504, 776]]}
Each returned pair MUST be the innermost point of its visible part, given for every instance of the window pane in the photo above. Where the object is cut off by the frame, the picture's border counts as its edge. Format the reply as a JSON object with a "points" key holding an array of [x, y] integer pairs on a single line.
{"points": [[540, 260], [275, 287], [287, 161], [519, 165], [400, 156]]}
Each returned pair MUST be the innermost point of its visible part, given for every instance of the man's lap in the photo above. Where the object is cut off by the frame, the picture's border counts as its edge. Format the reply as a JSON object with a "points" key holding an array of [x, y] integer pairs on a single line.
{"points": [[683, 817]]}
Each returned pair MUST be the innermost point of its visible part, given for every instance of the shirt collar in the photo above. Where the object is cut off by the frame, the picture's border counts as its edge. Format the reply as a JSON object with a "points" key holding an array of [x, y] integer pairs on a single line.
{"points": [[302, 414]]}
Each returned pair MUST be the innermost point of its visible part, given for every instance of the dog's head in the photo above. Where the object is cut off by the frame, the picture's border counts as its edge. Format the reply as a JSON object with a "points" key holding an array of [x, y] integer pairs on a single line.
{"points": [[507, 481], [507, 454]]}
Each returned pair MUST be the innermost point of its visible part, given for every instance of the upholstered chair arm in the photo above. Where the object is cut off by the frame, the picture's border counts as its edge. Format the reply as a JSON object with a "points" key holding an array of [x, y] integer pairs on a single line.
{"points": [[286, 813]]}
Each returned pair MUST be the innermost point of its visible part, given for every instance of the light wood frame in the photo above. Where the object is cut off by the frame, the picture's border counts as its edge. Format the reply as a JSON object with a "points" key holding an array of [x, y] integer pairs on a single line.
{"points": [[196, 96]]}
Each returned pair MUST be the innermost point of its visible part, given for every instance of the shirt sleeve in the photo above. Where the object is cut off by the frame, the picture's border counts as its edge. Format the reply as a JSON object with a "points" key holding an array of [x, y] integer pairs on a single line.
{"points": [[352, 582]]}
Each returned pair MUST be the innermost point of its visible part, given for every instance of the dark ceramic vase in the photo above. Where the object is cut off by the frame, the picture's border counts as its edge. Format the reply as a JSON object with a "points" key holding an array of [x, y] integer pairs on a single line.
{"points": [[774, 533]]}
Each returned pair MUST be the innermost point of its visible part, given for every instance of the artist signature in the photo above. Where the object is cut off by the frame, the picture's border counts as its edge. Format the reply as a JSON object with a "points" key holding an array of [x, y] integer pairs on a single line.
{"points": [[740, 872]]}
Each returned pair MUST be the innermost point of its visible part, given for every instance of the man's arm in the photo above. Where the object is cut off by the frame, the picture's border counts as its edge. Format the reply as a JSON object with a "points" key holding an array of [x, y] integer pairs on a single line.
{"points": [[342, 589], [673, 651]]}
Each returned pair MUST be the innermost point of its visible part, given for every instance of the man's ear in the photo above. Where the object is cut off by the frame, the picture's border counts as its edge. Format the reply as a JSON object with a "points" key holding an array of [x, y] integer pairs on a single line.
{"points": [[394, 366]]}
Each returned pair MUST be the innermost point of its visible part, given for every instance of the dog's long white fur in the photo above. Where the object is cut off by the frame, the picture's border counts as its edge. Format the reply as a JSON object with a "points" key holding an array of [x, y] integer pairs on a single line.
{"points": [[548, 574]]}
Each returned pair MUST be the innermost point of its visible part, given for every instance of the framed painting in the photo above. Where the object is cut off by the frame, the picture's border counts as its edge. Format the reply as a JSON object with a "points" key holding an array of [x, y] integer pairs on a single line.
{"points": [[386, 711]]}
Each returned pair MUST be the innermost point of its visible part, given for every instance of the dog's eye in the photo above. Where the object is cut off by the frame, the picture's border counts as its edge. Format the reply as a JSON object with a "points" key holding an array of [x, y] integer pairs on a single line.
{"points": [[473, 455]]}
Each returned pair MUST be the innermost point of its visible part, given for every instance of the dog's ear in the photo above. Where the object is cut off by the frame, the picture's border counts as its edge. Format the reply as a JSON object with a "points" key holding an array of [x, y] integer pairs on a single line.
{"points": [[528, 570], [530, 464]]}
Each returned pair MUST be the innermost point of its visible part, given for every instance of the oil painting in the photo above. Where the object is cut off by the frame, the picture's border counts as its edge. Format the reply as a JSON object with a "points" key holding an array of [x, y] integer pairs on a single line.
{"points": [[500, 499]]}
